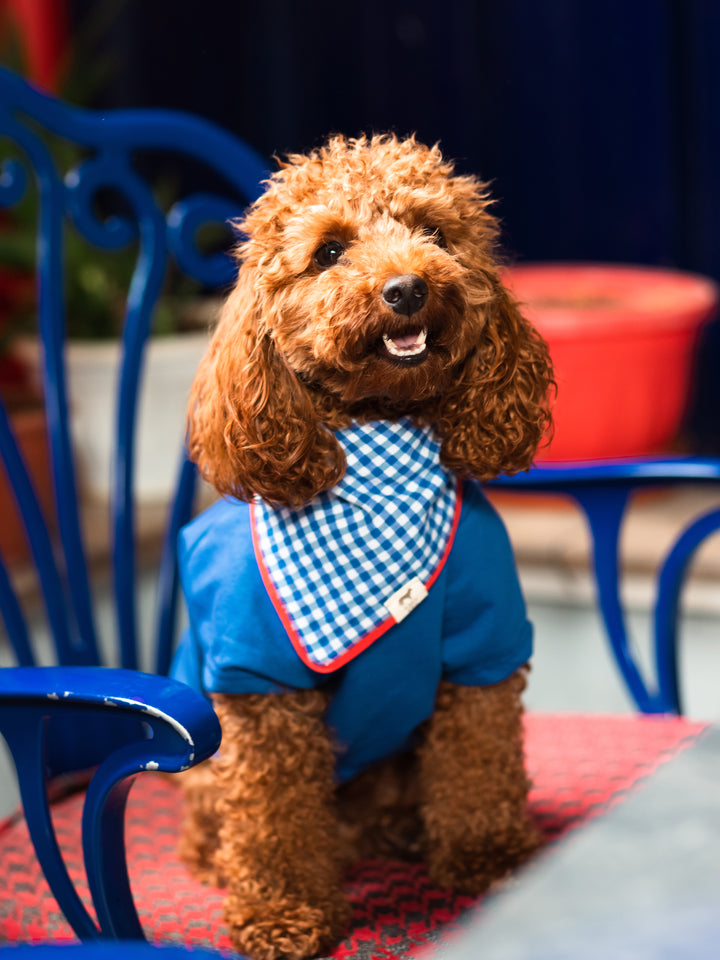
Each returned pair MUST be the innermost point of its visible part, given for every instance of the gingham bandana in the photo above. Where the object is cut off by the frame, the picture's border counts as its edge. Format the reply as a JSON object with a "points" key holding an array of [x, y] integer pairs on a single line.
{"points": [[358, 558]]}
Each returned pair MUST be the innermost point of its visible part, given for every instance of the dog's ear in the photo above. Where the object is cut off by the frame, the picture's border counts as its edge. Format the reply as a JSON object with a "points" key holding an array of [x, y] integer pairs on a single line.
{"points": [[498, 411], [252, 428]]}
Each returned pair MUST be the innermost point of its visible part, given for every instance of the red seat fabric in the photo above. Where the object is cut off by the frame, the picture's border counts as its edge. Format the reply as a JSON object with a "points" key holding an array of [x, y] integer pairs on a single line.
{"points": [[580, 766]]}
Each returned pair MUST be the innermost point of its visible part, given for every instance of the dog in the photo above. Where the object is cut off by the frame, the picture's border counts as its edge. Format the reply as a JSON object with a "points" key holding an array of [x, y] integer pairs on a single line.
{"points": [[354, 608]]}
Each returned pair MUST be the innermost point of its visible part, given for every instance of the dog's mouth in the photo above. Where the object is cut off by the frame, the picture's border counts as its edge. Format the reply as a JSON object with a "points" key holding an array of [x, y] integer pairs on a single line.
{"points": [[408, 347]]}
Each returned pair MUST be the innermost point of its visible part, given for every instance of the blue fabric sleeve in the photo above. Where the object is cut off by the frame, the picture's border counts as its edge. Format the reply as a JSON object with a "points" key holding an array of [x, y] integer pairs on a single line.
{"points": [[236, 642]]}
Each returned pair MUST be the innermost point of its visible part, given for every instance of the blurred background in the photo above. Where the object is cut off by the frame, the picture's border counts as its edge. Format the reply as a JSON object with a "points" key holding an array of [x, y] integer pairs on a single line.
{"points": [[596, 121]]}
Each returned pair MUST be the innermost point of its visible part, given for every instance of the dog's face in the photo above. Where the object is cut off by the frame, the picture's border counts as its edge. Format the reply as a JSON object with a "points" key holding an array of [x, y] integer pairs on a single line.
{"points": [[371, 263], [367, 288]]}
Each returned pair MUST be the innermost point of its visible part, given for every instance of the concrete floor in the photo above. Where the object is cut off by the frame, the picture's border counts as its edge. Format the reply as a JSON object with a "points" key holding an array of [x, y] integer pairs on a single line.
{"points": [[573, 669]]}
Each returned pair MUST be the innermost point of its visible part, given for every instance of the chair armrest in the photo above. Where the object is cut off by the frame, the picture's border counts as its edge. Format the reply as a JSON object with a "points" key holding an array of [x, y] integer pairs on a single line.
{"points": [[637, 472], [603, 490], [184, 728], [164, 725]]}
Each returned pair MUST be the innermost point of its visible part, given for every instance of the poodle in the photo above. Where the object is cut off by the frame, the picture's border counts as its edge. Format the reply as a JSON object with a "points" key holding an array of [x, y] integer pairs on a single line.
{"points": [[354, 608]]}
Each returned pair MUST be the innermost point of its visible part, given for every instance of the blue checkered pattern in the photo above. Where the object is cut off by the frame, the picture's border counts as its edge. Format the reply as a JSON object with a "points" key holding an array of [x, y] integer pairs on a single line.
{"points": [[335, 562]]}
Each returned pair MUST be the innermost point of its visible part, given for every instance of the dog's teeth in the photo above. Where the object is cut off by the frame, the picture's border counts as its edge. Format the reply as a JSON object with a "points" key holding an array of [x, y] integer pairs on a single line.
{"points": [[405, 346]]}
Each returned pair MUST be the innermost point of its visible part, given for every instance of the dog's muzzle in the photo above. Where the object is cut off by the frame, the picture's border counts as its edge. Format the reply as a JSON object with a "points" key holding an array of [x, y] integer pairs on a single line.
{"points": [[406, 294]]}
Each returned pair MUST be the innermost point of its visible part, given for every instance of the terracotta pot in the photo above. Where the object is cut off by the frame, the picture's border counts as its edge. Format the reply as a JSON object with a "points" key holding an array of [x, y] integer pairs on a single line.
{"points": [[30, 429], [623, 341]]}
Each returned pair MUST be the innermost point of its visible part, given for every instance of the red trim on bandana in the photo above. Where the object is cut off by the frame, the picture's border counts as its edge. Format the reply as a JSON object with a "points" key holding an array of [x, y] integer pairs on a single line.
{"points": [[359, 645]]}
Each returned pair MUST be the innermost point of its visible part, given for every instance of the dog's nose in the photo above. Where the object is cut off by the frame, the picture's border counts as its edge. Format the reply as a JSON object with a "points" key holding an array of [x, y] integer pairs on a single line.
{"points": [[405, 294]]}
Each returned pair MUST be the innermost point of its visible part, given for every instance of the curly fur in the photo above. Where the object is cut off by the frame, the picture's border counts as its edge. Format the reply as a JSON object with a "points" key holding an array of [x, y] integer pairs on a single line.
{"points": [[296, 355], [294, 352]]}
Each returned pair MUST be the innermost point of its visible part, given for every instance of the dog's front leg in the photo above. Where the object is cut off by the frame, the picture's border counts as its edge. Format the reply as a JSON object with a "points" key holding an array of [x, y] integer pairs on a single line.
{"points": [[278, 832], [474, 786]]}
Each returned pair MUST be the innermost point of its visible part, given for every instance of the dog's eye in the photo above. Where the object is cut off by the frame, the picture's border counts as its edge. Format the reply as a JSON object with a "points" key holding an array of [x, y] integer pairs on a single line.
{"points": [[436, 235], [329, 253]]}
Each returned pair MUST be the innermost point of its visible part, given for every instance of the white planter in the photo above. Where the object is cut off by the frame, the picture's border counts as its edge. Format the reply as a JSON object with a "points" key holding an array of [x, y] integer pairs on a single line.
{"points": [[92, 370], [170, 365]]}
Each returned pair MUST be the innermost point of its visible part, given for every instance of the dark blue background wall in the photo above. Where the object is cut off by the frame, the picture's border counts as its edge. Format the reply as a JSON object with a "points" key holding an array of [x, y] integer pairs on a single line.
{"points": [[598, 120]]}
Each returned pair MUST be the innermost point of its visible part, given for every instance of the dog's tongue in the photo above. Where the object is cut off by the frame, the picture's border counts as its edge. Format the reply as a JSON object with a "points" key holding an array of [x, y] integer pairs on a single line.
{"points": [[405, 341]]}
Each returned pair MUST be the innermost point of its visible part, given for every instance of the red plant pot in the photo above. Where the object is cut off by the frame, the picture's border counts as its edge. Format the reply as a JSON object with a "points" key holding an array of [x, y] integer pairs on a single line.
{"points": [[622, 340], [31, 433]]}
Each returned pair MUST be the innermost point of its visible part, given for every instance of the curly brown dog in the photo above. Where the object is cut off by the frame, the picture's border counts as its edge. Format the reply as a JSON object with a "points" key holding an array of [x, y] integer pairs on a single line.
{"points": [[368, 300]]}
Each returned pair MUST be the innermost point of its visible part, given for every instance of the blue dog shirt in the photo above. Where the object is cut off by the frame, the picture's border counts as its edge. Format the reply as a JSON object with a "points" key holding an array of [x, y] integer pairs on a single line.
{"points": [[272, 610]]}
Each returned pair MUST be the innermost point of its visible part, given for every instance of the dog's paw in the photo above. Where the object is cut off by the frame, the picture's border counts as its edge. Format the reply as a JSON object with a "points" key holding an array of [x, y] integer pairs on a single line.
{"points": [[472, 865], [283, 927]]}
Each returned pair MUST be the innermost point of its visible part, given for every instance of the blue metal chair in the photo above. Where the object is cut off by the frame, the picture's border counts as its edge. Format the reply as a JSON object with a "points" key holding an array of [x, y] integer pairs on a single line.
{"points": [[78, 714], [603, 491]]}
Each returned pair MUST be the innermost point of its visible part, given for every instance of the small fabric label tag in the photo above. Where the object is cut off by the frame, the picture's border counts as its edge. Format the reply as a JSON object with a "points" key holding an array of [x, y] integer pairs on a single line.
{"points": [[404, 600]]}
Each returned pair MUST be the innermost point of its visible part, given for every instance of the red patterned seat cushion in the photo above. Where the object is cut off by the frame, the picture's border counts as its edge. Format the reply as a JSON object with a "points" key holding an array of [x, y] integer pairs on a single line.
{"points": [[580, 766]]}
